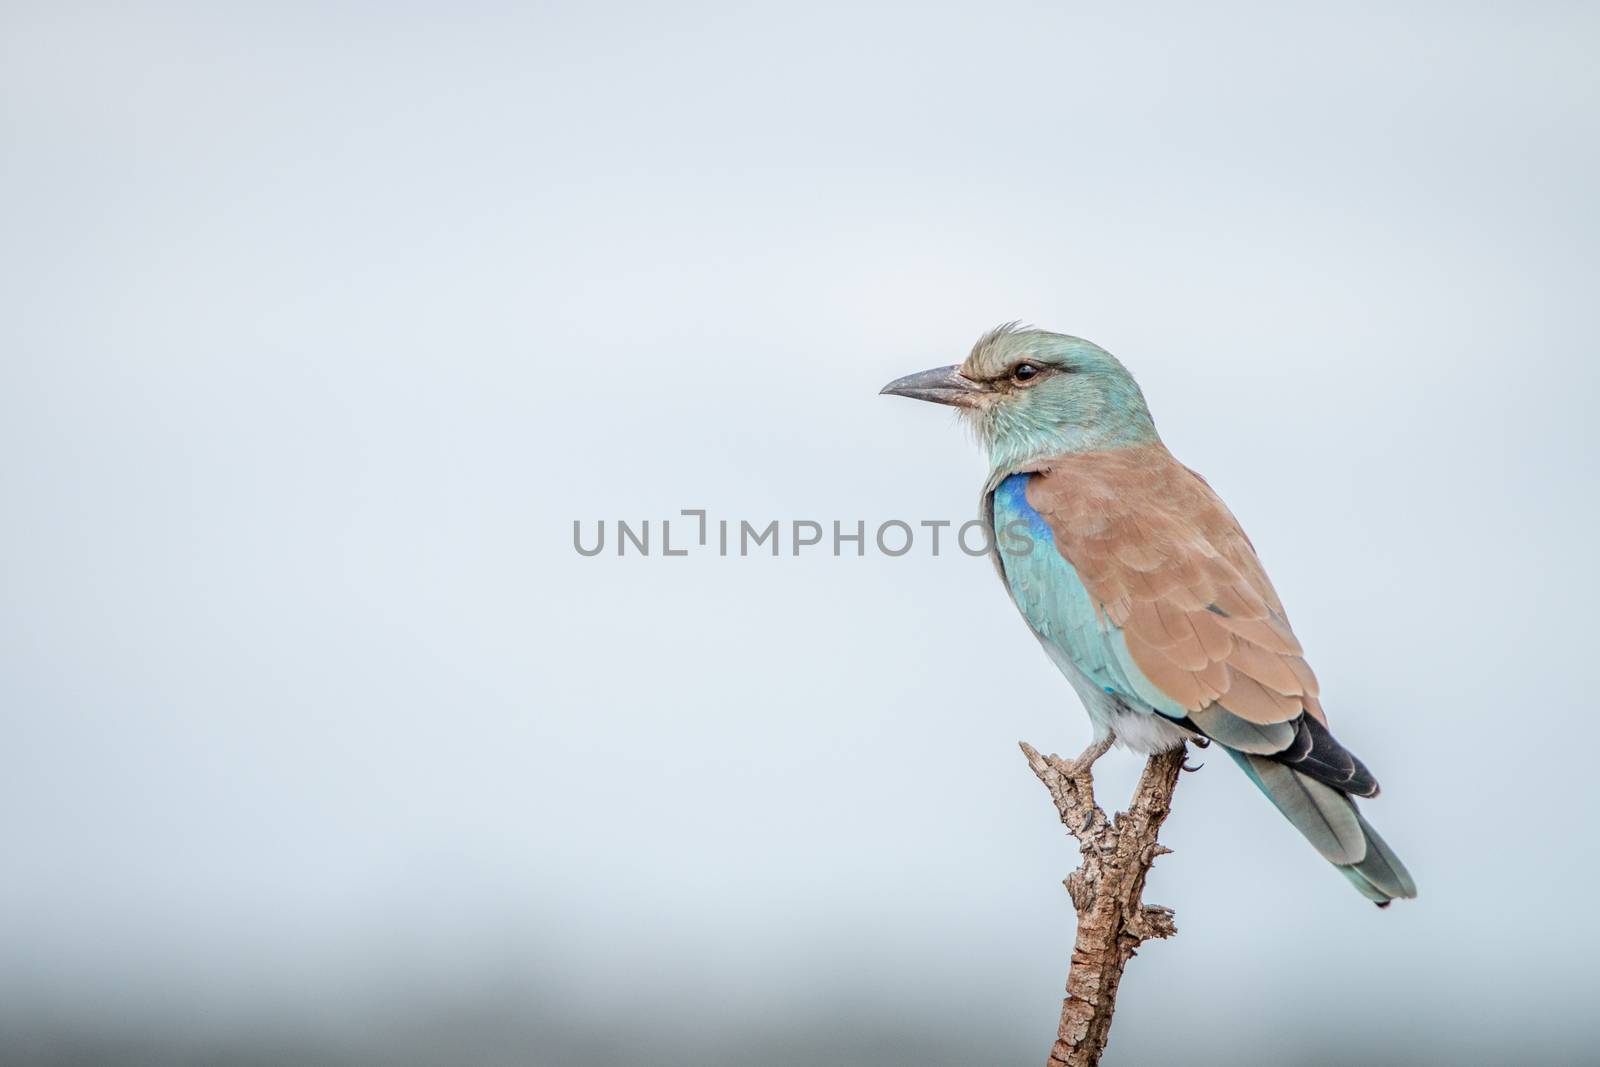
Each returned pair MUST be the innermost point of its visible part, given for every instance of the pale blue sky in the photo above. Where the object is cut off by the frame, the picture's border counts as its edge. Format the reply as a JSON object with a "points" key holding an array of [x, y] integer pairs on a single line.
{"points": [[327, 321]]}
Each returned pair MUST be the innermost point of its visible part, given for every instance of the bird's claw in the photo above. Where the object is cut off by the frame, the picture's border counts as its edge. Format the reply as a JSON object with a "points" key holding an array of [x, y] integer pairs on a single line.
{"points": [[1190, 769]]}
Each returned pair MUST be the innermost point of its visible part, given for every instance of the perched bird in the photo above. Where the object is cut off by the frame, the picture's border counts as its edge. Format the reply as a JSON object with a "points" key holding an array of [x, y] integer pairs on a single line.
{"points": [[1144, 591]]}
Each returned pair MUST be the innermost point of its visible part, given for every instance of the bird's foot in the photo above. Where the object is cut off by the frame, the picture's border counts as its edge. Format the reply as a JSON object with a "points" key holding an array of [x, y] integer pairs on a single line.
{"points": [[1086, 759]]}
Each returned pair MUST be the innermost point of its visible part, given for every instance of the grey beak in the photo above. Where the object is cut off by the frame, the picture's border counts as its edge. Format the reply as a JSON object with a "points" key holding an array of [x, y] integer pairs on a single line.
{"points": [[942, 385]]}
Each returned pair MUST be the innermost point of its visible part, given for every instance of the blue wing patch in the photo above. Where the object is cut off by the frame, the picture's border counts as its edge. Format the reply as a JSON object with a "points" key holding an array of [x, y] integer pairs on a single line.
{"points": [[1056, 604]]}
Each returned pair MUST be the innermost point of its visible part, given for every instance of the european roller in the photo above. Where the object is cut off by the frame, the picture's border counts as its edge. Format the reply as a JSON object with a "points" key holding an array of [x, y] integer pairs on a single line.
{"points": [[1144, 591]]}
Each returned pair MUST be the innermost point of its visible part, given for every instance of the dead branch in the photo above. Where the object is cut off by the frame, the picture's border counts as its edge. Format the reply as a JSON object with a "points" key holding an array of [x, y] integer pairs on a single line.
{"points": [[1113, 920]]}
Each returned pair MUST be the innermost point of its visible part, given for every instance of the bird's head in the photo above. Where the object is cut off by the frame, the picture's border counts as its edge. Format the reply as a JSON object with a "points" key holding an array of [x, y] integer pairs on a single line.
{"points": [[1030, 394]]}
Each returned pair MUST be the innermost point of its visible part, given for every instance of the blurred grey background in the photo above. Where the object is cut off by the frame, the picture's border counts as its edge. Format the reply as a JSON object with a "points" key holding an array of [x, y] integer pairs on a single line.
{"points": [[324, 322]]}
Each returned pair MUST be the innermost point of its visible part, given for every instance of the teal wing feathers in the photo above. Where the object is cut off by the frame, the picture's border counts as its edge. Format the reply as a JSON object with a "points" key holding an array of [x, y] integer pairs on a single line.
{"points": [[1055, 602]]}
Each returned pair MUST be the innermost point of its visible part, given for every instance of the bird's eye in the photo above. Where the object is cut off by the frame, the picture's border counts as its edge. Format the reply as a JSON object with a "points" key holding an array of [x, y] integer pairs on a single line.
{"points": [[1023, 371]]}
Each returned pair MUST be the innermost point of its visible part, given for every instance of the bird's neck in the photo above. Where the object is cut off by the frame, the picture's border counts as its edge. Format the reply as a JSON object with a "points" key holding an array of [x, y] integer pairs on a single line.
{"points": [[1015, 452]]}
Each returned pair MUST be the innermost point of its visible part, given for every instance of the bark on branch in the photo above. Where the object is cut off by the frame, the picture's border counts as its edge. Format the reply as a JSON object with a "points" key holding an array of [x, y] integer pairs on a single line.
{"points": [[1106, 890]]}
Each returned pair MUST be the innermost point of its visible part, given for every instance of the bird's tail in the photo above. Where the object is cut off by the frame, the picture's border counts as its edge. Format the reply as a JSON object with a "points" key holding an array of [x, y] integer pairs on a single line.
{"points": [[1329, 820]]}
